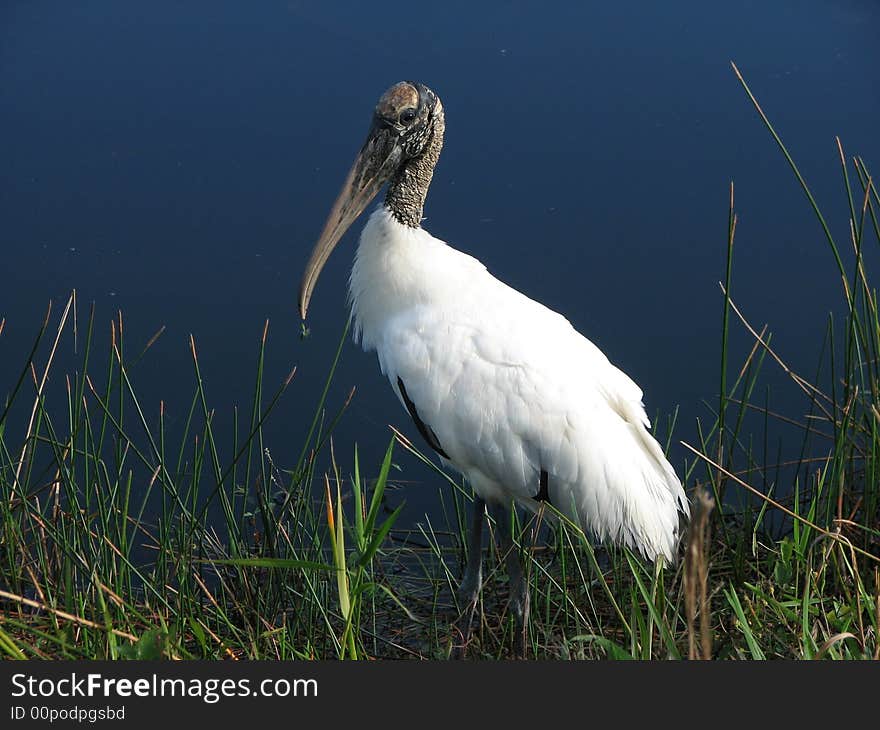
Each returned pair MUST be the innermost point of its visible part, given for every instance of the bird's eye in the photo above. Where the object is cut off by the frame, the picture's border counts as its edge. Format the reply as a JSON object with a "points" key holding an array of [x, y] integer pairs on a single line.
{"points": [[407, 115]]}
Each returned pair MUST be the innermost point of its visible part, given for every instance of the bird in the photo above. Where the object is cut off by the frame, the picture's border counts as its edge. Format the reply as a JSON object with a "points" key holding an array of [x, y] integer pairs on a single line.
{"points": [[501, 387]]}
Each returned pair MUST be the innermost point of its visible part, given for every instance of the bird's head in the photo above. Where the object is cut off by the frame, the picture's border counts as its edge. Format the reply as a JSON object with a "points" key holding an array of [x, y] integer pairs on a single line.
{"points": [[403, 124]]}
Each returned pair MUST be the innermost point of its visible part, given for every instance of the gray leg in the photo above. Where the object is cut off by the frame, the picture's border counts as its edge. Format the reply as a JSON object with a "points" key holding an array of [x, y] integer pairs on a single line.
{"points": [[519, 587], [472, 580]]}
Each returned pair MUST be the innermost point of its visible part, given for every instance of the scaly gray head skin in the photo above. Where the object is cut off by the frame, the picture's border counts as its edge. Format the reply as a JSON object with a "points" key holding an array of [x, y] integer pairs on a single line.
{"points": [[402, 148]]}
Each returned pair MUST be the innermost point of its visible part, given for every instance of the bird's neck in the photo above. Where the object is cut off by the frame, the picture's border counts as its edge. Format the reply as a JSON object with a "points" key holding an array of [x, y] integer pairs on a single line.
{"points": [[409, 187]]}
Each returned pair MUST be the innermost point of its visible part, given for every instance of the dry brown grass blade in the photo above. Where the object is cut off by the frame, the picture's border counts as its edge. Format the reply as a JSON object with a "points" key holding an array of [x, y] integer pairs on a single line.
{"points": [[782, 508], [803, 384], [214, 603], [832, 641], [696, 578], [41, 385], [66, 616]]}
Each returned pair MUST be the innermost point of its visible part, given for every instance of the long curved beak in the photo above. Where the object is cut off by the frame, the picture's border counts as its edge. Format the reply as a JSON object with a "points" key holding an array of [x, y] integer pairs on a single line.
{"points": [[377, 161]]}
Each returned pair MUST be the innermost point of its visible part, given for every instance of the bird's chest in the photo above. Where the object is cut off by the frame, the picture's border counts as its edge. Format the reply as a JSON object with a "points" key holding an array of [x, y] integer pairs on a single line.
{"points": [[400, 272]]}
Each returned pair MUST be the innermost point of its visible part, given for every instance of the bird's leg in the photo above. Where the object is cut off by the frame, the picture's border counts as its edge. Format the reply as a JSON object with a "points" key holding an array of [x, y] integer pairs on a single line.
{"points": [[472, 580], [519, 586]]}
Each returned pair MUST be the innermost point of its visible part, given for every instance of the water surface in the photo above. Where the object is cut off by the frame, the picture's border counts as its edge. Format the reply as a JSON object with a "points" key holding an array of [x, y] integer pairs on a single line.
{"points": [[177, 161]]}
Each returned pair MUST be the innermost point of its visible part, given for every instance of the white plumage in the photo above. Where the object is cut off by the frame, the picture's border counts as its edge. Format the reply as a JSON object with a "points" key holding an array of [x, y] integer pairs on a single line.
{"points": [[509, 387], [504, 389]]}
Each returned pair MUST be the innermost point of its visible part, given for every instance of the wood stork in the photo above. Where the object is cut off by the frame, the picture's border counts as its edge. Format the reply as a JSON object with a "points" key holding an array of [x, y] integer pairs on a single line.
{"points": [[504, 389]]}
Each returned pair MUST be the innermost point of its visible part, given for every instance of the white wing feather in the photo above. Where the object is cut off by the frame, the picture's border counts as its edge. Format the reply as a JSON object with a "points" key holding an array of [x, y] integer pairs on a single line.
{"points": [[510, 388]]}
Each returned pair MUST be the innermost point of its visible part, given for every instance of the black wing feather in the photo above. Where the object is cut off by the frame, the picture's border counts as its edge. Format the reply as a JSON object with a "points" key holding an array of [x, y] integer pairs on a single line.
{"points": [[424, 429]]}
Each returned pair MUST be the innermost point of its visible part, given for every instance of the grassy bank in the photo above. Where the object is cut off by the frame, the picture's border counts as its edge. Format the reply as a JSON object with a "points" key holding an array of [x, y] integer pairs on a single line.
{"points": [[121, 537]]}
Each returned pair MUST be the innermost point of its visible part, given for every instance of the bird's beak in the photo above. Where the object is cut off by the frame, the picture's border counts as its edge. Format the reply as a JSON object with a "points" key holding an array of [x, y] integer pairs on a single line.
{"points": [[377, 161]]}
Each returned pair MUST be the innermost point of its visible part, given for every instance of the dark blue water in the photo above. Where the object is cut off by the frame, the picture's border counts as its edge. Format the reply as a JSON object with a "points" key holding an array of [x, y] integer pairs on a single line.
{"points": [[176, 161]]}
